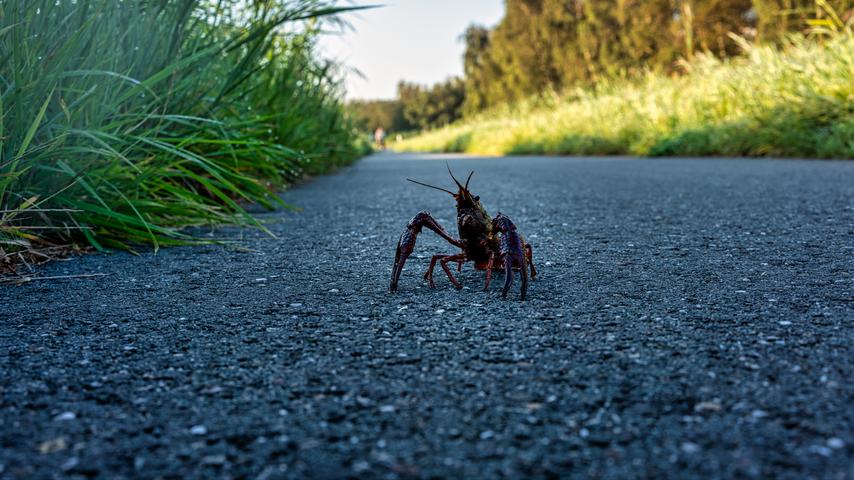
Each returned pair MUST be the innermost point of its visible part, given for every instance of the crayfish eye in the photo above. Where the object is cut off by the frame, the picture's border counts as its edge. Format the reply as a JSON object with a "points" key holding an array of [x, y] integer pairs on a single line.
{"points": [[477, 198]]}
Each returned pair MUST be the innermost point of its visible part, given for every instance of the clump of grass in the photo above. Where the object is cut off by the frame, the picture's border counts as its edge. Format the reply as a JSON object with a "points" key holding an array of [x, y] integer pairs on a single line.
{"points": [[121, 123], [795, 101]]}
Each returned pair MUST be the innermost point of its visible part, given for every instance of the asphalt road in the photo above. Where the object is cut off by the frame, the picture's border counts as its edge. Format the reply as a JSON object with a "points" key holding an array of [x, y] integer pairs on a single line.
{"points": [[694, 318]]}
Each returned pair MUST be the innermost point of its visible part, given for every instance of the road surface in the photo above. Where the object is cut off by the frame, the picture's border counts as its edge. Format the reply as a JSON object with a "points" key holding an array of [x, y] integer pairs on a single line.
{"points": [[694, 318]]}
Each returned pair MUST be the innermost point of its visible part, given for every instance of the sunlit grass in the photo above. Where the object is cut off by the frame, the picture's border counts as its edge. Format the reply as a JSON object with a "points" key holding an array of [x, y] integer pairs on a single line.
{"points": [[121, 123], [795, 102]]}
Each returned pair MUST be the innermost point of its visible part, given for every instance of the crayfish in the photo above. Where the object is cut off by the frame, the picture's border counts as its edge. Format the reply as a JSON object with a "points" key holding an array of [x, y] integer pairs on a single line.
{"points": [[493, 244]]}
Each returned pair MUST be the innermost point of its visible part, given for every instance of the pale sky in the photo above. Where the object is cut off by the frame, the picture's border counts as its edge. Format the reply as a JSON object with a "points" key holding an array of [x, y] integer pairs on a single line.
{"points": [[413, 40]]}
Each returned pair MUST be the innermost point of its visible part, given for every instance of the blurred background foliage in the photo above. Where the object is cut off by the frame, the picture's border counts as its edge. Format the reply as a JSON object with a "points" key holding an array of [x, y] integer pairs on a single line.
{"points": [[553, 46]]}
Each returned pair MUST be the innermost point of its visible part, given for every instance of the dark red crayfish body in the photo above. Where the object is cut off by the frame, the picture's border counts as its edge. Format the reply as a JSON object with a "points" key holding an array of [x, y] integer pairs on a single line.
{"points": [[491, 244]]}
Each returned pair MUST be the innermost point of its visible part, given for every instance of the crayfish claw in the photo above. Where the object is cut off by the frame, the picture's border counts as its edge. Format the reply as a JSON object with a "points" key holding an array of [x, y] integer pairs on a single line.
{"points": [[513, 253], [406, 245]]}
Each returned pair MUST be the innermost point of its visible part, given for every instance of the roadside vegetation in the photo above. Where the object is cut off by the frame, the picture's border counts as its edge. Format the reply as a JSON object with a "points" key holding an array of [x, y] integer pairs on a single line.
{"points": [[122, 123], [796, 102], [698, 77]]}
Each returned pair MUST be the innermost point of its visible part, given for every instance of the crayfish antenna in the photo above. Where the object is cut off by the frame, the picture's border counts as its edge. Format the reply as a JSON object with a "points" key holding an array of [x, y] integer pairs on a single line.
{"points": [[431, 186], [468, 179], [455, 178]]}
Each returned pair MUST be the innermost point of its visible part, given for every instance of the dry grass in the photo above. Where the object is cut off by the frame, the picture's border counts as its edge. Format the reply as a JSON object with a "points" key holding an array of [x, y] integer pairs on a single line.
{"points": [[797, 102]]}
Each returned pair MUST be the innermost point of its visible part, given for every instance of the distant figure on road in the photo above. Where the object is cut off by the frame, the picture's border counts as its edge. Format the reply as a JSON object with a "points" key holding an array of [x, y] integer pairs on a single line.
{"points": [[379, 138]]}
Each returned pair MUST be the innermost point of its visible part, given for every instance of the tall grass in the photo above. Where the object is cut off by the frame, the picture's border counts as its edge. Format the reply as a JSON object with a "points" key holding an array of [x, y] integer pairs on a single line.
{"points": [[795, 101], [121, 122]]}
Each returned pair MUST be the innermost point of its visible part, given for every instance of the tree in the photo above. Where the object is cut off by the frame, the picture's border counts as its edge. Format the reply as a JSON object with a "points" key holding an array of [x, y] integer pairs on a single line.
{"points": [[370, 114], [774, 18], [479, 68], [542, 45], [430, 107]]}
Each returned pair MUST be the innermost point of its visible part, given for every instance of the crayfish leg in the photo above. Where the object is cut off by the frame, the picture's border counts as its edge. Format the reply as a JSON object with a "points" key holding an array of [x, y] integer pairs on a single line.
{"points": [[523, 271], [460, 257], [490, 264], [529, 253]]}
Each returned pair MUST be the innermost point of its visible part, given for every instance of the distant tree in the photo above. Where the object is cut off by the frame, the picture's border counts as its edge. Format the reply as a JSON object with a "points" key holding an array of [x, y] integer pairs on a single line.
{"points": [[776, 17], [412, 99], [370, 114], [479, 68], [544, 45], [713, 21], [434, 106], [522, 45]]}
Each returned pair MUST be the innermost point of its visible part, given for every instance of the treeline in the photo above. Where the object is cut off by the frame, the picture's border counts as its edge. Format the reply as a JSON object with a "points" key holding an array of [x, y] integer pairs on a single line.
{"points": [[417, 107], [554, 45]]}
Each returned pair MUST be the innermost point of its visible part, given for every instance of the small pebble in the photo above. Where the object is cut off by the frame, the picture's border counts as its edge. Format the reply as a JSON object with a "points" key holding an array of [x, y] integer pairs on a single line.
{"points": [[65, 416], [51, 446], [199, 430], [784, 323], [387, 409], [213, 460], [690, 447], [69, 464], [486, 435], [440, 311], [821, 450], [707, 407], [835, 443]]}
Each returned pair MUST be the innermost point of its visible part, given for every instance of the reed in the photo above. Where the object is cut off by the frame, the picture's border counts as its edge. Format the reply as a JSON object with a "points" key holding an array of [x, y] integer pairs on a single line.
{"points": [[123, 122]]}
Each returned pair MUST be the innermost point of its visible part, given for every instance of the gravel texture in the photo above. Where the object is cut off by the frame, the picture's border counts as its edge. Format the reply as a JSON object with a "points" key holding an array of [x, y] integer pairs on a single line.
{"points": [[692, 319]]}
